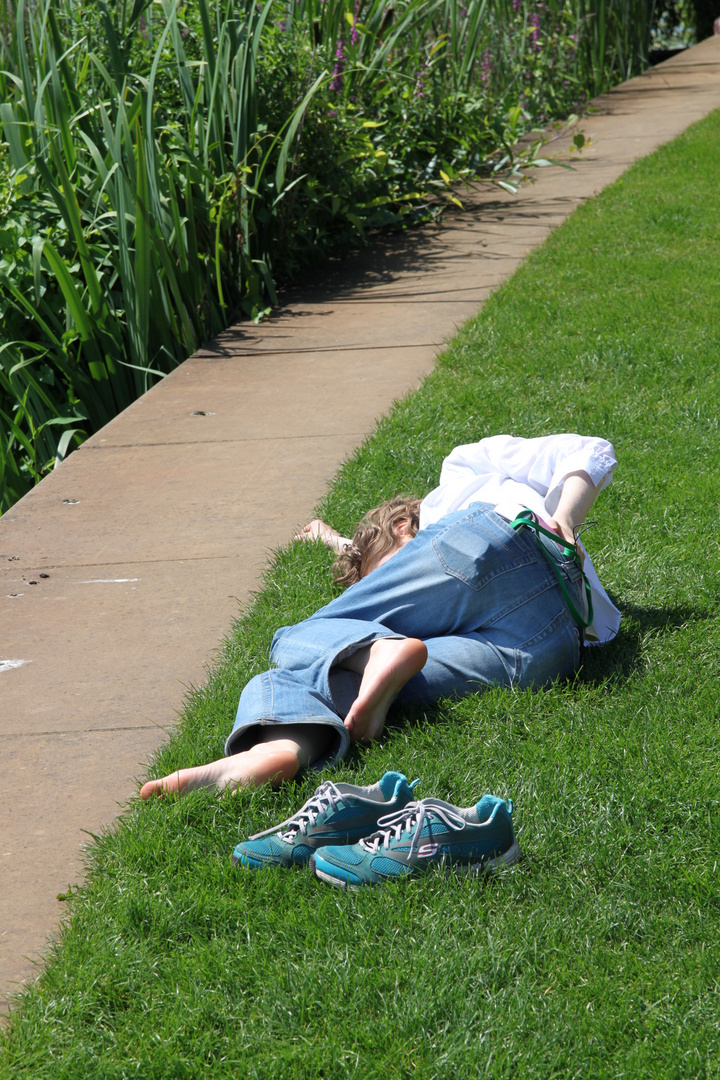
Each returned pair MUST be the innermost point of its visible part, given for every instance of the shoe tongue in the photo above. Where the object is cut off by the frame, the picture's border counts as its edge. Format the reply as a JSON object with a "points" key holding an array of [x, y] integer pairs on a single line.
{"points": [[389, 782], [486, 806]]}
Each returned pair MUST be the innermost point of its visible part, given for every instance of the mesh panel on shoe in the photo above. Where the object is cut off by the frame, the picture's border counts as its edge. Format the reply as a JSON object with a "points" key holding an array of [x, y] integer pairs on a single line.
{"points": [[343, 854], [301, 853], [389, 867], [345, 812]]}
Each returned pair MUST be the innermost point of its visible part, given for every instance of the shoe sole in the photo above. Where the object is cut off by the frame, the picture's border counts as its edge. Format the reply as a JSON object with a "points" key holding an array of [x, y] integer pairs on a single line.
{"points": [[496, 864]]}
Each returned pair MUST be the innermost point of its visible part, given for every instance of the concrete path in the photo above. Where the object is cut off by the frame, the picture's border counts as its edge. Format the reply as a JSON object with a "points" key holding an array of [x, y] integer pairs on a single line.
{"points": [[122, 570]]}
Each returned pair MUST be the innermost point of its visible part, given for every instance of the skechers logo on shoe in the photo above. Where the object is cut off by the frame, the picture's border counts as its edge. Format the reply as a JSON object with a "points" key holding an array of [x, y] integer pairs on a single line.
{"points": [[426, 851]]}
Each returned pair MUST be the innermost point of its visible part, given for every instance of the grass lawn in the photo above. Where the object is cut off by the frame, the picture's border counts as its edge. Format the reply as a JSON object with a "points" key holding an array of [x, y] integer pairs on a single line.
{"points": [[598, 956]]}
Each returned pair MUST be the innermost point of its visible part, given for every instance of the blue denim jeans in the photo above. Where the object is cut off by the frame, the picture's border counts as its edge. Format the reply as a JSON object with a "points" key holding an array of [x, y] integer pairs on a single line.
{"points": [[482, 597]]}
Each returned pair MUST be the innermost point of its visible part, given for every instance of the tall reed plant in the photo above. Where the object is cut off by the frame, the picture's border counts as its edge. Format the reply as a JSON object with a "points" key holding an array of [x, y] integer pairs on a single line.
{"points": [[131, 228], [616, 36]]}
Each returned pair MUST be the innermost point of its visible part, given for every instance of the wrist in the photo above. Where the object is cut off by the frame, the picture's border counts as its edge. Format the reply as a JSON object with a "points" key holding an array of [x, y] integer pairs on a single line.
{"points": [[565, 527]]}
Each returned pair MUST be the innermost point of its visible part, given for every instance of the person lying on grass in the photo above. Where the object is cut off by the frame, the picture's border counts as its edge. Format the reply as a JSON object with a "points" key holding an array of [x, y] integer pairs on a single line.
{"points": [[445, 598]]}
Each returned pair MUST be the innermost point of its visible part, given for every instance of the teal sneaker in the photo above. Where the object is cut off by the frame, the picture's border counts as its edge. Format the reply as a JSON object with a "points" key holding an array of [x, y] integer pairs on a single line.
{"points": [[479, 839], [335, 814]]}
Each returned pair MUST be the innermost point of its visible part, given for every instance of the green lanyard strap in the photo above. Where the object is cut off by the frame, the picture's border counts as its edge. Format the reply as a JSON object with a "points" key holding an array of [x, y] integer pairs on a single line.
{"points": [[527, 519]]}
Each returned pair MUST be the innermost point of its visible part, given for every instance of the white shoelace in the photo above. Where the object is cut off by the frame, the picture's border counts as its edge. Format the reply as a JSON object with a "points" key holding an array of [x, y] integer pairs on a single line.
{"points": [[411, 820], [327, 796]]}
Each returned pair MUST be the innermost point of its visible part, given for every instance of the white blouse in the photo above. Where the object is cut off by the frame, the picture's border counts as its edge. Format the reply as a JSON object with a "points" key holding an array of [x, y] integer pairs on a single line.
{"points": [[513, 474]]}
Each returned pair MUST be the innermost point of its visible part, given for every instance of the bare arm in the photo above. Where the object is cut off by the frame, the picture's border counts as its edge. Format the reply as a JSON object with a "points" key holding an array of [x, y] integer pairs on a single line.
{"points": [[577, 496], [318, 530]]}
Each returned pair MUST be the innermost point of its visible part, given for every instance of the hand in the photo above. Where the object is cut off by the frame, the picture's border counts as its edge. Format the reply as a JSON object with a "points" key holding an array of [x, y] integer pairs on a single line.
{"points": [[319, 530], [565, 530], [314, 530]]}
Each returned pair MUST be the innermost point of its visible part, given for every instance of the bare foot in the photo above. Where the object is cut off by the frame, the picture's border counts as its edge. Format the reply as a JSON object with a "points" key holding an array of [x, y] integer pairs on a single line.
{"points": [[386, 666], [266, 761]]}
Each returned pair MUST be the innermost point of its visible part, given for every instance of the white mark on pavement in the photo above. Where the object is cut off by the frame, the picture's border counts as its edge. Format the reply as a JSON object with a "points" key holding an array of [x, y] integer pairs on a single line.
{"points": [[107, 580]]}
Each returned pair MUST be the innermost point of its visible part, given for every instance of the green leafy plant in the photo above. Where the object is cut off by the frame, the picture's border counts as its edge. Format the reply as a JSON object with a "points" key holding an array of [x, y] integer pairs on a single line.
{"points": [[163, 165]]}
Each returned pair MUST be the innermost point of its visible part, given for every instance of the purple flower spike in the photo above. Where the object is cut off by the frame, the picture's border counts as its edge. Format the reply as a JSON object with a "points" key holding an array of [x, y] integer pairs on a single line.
{"points": [[336, 79]]}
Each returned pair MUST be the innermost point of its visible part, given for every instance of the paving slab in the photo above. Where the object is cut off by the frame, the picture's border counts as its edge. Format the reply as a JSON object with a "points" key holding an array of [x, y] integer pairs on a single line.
{"points": [[153, 534]]}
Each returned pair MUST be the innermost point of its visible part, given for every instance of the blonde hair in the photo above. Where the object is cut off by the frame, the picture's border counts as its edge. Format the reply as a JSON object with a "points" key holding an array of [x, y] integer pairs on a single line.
{"points": [[381, 530]]}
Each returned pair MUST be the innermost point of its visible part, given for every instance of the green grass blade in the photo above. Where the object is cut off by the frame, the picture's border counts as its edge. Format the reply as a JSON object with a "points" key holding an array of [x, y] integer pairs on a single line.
{"points": [[292, 131], [143, 243], [12, 126]]}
